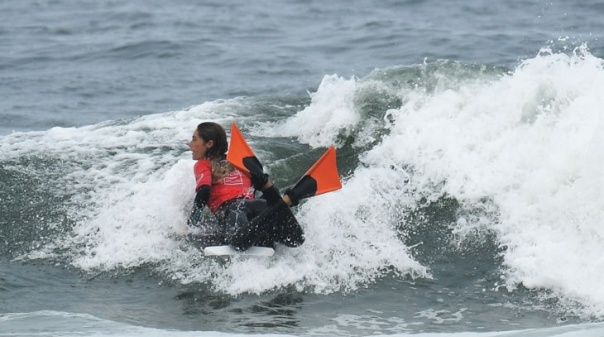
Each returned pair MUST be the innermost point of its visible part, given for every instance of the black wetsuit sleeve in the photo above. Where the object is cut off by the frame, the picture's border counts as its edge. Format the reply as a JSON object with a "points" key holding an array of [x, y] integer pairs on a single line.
{"points": [[202, 196]]}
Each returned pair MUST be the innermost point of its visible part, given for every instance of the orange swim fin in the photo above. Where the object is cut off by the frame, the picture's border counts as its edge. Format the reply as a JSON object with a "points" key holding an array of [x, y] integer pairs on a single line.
{"points": [[321, 178], [239, 151]]}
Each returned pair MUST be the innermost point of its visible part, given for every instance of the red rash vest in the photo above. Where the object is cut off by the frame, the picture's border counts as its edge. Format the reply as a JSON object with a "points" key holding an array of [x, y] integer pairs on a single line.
{"points": [[234, 185]]}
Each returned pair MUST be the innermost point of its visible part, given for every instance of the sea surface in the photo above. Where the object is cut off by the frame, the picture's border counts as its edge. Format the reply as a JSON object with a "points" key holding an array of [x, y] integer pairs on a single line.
{"points": [[469, 139]]}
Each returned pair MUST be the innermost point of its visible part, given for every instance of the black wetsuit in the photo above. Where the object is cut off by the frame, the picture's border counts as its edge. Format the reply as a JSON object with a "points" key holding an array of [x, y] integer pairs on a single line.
{"points": [[243, 223]]}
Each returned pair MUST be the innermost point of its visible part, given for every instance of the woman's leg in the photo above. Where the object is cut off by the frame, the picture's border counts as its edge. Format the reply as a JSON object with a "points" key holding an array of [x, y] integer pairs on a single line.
{"points": [[278, 224], [241, 232], [260, 222]]}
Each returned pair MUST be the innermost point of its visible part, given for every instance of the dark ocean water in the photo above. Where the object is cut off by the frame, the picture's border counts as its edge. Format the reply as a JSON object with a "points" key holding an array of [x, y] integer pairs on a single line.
{"points": [[468, 137]]}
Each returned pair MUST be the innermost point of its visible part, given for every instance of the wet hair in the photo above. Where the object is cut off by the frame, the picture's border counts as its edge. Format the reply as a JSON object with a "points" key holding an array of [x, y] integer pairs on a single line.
{"points": [[210, 131]]}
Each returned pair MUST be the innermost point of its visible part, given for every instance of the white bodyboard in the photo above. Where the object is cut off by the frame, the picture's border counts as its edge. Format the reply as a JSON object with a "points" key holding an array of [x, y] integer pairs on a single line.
{"points": [[228, 250]]}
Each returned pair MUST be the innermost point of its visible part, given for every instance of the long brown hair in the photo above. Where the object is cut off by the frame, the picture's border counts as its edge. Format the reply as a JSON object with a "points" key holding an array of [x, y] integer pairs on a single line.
{"points": [[217, 153], [210, 131]]}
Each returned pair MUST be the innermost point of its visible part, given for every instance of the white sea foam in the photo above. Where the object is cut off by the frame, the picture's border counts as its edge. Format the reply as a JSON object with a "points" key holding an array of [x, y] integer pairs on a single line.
{"points": [[332, 112], [528, 142]]}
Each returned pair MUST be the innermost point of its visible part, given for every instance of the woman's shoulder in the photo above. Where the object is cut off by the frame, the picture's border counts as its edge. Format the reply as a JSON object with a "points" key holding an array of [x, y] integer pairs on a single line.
{"points": [[203, 164]]}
